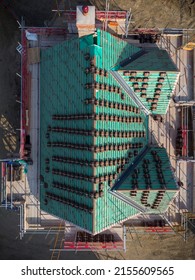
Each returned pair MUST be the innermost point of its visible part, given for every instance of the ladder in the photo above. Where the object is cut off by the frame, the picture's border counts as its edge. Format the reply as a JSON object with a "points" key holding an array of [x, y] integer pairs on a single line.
{"points": [[58, 243]]}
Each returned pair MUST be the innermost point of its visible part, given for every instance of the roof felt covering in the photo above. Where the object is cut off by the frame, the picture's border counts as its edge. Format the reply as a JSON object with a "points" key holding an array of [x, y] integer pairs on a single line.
{"points": [[150, 172], [153, 88], [153, 59], [154, 202], [62, 94], [91, 131]]}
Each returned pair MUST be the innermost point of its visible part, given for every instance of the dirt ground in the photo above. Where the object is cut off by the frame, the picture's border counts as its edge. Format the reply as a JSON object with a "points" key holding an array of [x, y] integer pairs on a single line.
{"points": [[32, 246], [9, 85], [155, 247], [37, 247], [159, 13]]}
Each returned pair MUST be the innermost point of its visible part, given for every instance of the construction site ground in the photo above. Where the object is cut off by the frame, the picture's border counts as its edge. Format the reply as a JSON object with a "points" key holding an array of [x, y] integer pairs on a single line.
{"points": [[37, 247], [155, 246]]}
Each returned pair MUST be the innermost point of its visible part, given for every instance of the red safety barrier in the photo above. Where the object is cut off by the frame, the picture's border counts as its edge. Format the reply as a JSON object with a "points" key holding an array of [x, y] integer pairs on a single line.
{"points": [[24, 93], [159, 229], [96, 246], [184, 136], [100, 15], [111, 15], [3, 169], [47, 30], [69, 245], [146, 31]]}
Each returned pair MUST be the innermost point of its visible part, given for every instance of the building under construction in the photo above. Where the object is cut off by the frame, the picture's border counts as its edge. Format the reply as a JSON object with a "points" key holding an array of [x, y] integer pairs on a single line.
{"points": [[97, 167], [92, 144]]}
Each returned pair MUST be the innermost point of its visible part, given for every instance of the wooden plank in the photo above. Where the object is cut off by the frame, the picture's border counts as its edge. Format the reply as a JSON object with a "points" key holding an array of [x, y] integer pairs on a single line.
{"points": [[33, 55]]}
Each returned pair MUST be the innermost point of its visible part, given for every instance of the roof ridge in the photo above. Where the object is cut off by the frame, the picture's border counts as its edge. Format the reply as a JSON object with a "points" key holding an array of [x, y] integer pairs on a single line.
{"points": [[132, 166], [128, 200], [129, 91]]}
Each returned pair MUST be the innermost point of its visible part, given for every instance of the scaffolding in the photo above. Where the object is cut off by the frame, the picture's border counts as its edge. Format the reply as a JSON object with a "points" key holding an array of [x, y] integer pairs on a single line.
{"points": [[37, 30], [83, 241], [116, 21], [184, 98], [58, 242], [188, 40]]}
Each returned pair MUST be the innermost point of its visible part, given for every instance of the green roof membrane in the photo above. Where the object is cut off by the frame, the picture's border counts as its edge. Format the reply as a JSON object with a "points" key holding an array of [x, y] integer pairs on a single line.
{"points": [[114, 50], [151, 171], [110, 210], [149, 201], [92, 132], [150, 181], [153, 59], [63, 93], [154, 89]]}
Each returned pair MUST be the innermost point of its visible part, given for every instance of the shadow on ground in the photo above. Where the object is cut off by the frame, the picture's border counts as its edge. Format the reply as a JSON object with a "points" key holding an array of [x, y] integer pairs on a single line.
{"points": [[32, 246]]}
